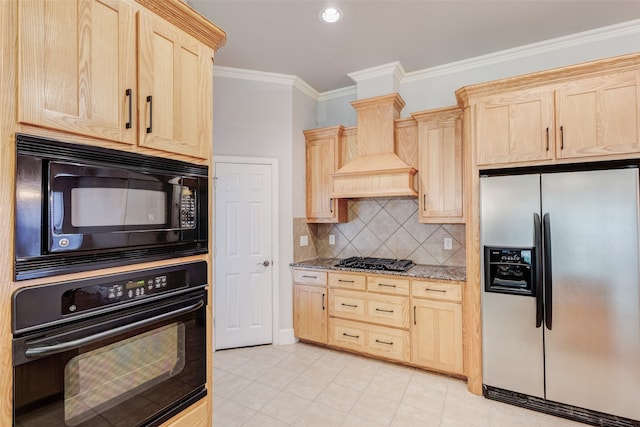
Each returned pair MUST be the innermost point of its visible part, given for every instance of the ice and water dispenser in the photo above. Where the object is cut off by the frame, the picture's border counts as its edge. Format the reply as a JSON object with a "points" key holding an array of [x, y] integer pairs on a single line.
{"points": [[509, 270]]}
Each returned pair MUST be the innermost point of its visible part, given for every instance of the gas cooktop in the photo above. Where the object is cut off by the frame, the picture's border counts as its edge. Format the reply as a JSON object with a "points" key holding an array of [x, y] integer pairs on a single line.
{"points": [[369, 263]]}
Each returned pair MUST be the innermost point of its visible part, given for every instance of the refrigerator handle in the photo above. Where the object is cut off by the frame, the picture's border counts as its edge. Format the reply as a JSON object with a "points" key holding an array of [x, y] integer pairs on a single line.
{"points": [[537, 238], [548, 285]]}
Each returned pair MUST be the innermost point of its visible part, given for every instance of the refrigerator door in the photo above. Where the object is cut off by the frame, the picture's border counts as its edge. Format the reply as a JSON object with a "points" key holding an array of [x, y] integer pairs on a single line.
{"points": [[512, 346], [593, 349]]}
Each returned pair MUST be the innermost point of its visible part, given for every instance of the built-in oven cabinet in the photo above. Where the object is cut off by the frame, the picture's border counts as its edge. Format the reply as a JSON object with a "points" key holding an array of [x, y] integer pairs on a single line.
{"points": [[436, 327], [84, 69], [310, 305]]}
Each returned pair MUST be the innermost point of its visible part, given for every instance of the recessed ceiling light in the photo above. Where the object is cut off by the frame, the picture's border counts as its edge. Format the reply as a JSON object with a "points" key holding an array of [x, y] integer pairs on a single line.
{"points": [[330, 15]]}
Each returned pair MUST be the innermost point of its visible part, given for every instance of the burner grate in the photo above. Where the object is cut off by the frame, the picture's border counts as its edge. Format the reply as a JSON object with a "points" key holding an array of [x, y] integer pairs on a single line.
{"points": [[370, 263]]}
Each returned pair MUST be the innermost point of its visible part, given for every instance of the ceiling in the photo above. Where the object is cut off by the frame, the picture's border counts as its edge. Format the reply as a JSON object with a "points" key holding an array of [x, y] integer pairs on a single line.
{"points": [[287, 36]]}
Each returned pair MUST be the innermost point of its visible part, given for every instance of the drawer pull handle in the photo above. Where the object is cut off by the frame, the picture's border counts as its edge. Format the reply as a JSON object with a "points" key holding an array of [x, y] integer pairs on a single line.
{"points": [[350, 305], [350, 336], [384, 311], [346, 281], [384, 342], [388, 286], [435, 290], [310, 277]]}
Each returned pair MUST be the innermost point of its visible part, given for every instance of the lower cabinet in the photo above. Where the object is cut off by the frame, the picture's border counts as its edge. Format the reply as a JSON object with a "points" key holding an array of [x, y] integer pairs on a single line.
{"points": [[413, 321], [436, 330], [310, 306]]}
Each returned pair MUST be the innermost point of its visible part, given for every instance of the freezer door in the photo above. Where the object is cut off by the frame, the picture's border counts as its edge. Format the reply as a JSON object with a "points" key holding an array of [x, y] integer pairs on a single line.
{"points": [[512, 346], [593, 348]]}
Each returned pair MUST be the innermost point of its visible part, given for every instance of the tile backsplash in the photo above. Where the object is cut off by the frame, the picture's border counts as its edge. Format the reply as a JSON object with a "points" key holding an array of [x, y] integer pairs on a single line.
{"points": [[385, 227]]}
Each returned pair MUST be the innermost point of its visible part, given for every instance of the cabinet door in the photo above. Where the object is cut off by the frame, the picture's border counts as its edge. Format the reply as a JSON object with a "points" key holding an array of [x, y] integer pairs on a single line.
{"points": [[77, 67], [441, 166], [599, 116], [436, 335], [323, 158], [309, 312], [175, 89], [515, 127]]}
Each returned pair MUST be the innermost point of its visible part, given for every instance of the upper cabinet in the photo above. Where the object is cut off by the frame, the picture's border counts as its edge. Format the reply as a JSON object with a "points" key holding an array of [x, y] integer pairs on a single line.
{"points": [[585, 112], [598, 116], [440, 165], [87, 68], [324, 154], [77, 67], [174, 90]]}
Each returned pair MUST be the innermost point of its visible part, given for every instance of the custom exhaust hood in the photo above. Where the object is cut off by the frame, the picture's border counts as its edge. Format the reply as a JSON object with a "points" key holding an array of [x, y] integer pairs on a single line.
{"points": [[376, 170]]}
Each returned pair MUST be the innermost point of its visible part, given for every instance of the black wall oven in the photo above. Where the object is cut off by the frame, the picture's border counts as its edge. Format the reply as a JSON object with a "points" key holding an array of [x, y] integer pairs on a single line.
{"points": [[81, 208], [119, 350]]}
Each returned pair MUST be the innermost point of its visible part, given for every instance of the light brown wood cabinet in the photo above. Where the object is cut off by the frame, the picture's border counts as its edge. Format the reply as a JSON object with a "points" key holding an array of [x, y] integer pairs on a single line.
{"points": [[87, 68], [323, 157], [440, 165], [310, 305], [436, 331], [77, 67], [577, 119]]}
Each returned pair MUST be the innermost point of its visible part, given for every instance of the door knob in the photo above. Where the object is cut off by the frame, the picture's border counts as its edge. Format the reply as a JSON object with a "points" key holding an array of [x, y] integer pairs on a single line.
{"points": [[264, 263]]}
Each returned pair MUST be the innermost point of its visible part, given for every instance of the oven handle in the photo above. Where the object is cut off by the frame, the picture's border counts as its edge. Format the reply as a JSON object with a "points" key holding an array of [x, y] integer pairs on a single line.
{"points": [[48, 350]]}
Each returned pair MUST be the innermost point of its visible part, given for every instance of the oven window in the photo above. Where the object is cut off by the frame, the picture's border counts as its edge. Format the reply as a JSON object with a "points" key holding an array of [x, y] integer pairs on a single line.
{"points": [[126, 206], [103, 378]]}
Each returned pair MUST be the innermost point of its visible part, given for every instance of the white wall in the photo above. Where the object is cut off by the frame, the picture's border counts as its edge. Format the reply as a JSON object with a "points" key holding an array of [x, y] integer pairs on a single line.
{"points": [[435, 87], [266, 119]]}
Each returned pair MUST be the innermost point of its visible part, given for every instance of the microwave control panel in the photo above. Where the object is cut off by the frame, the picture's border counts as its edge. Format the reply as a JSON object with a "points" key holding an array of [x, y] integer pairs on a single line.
{"points": [[90, 297], [188, 210]]}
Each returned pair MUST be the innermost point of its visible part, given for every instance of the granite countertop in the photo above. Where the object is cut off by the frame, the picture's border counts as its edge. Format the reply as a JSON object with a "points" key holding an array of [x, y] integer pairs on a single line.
{"points": [[418, 271]]}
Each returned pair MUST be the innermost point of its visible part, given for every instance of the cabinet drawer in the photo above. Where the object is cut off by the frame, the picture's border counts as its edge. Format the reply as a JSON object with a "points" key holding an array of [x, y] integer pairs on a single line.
{"points": [[347, 281], [440, 290], [387, 310], [310, 277], [388, 285], [349, 334], [347, 304], [370, 339]]}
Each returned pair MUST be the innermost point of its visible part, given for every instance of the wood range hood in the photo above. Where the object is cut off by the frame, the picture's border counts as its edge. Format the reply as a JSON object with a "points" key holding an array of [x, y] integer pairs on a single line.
{"points": [[376, 170]]}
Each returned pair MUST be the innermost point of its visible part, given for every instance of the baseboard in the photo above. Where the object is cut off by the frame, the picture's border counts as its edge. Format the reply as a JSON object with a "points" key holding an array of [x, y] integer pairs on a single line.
{"points": [[286, 336]]}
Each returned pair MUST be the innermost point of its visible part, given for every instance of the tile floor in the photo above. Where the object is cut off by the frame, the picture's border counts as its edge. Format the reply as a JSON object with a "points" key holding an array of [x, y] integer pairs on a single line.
{"points": [[306, 385]]}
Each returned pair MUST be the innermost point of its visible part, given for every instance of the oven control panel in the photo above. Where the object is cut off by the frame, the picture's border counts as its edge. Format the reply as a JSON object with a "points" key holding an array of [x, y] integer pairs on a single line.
{"points": [[100, 295]]}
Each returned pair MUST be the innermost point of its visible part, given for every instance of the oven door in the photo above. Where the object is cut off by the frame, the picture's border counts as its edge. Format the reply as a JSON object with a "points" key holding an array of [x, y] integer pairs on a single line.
{"points": [[91, 207], [133, 367]]}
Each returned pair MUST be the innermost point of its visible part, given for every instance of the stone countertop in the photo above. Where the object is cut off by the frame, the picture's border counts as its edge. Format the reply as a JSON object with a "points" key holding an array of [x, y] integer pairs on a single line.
{"points": [[420, 271]]}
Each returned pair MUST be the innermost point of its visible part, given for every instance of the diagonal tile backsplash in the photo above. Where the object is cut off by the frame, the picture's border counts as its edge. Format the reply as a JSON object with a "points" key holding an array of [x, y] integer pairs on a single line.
{"points": [[384, 227]]}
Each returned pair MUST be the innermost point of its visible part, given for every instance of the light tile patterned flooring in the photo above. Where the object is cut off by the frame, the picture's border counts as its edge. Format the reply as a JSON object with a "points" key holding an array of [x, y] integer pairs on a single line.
{"points": [[306, 385]]}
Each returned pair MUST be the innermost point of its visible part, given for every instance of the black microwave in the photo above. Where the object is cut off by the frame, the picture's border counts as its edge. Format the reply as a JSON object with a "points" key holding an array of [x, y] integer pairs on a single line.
{"points": [[81, 207]]}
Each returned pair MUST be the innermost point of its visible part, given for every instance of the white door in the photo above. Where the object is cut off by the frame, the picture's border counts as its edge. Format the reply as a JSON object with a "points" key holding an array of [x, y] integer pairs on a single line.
{"points": [[243, 256]]}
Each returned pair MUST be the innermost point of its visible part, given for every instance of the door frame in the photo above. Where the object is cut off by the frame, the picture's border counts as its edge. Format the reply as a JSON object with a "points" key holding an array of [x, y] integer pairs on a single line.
{"points": [[275, 247]]}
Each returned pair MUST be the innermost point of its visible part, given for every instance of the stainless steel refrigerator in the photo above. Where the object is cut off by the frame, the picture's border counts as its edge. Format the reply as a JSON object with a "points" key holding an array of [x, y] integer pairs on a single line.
{"points": [[561, 299]]}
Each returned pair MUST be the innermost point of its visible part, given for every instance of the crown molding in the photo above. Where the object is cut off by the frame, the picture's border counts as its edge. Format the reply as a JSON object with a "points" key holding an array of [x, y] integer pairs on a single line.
{"points": [[393, 68], [265, 77], [520, 52], [338, 93]]}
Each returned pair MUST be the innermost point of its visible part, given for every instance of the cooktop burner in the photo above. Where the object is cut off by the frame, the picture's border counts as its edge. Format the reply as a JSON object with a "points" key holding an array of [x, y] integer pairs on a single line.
{"points": [[369, 263]]}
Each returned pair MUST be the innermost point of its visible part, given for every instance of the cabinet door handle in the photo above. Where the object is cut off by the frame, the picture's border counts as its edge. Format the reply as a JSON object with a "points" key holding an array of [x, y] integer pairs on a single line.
{"points": [[150, 102], [435, 290], [130, 122], [384, 342], [386, 285], [562, 137], [547, 139], [350, 336], [414, 315], [331, 205], [384, 311], [424, 202], [349, 305], [346, 281], [323, 301]]}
